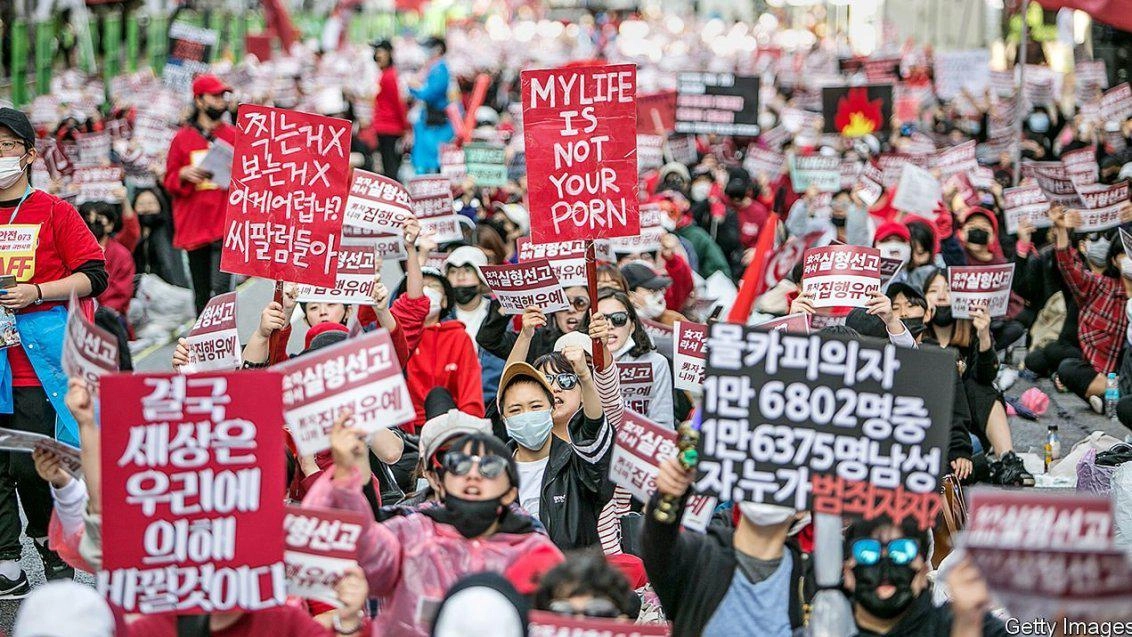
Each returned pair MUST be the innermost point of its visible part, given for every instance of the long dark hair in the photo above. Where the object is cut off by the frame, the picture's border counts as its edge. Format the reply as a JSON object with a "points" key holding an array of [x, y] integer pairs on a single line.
{"points": [[642, 344]]}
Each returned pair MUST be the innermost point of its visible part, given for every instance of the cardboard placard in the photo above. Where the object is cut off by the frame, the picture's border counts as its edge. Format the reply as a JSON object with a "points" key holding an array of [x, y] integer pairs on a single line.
{"points": [[917, 192], [377, 202], [958, 70], [649, 238], [214, 343], [89, 352], [870, 184], [357, 270], [980, 285], [567, 259], [688, 343], [452, 163], [956, 160], [720, 103], [319, 546], [1025, 202], [191, 484], [522, 285], [841, 277]]}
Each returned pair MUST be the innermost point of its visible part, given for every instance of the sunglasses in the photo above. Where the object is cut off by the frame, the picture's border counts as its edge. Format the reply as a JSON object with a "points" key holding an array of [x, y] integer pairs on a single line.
{"points": [[618, 319], [460, 464], [901, 551], [579, 303], [598, 607], [565, 380]]}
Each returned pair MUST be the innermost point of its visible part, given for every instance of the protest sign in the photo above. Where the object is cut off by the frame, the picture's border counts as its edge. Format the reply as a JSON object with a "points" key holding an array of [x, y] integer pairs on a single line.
{"points": [[1090, 75], [590, 165], [636, 385], [190, 50], [1116, 103], [289, 187], [94, 149], [452, 163], [190, 492], [89, 351], [98, 183], [917, 192], [1050, 555], [979, 285], [28, 442], [1054, 181], [546, 624], [870, 184], [485, 164], [840, 277], [648, 240], [660, 334], [432, 205], [361, 374], [956, 160], [522, 285], [567, 259], [1102, 206], [214, 343], [774, 138], [858, 110], [719, 103], [650, 151], [789, 255], [791, 323], [656, 113], [958, 70], [820, 171], [357, 269], [217, 162], [18, 243], [1081, 165], [889, 266], [1025, 202], [763, 161], [682, 148], [852, 427], [638, 449], [689, 340], [849, 171], [377, 202], [319, 547]]}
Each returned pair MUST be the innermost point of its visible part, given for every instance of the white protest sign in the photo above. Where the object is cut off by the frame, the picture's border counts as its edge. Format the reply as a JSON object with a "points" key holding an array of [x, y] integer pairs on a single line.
{"points": [[318, 548], [917, 191], [688, 354], [522, 285], [841, 276], [980, 285], [567, 258], [357, 269], [88, 350], [377, 203], [214, 343], [1102, 206], [1025, 202], [958, 70]]}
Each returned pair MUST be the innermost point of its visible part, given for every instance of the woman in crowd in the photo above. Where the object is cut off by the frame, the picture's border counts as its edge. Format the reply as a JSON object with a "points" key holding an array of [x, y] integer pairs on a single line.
{"points": [[155, 253]]}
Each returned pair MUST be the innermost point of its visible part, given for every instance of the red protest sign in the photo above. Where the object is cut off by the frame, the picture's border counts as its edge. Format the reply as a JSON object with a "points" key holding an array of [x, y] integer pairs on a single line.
{"points": [[89, 352], [319, 547], [377, 203], [979, 285], [361, 374], [522, 285], [840, 277], [287, 196], [214, 343], [656, 113], [587, 173], [544, 624], [688, 354], [190, 485]]}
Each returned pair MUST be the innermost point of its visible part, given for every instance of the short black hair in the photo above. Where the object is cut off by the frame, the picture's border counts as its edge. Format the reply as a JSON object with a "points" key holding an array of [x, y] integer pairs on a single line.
{"points": [[587, 572], [486, 445]]}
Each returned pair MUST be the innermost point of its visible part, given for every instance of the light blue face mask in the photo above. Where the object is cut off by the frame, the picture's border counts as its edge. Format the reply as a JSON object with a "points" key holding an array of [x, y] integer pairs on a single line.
{"points": [[530, 429]]}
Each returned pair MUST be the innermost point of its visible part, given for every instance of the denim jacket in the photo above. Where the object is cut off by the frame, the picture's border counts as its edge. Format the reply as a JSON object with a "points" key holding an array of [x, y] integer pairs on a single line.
{"points": [[41, 334]]}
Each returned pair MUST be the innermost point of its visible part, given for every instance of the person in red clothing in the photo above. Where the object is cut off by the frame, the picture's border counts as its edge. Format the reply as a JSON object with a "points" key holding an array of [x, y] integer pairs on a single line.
{"points": [[390, 118], [100, 218], [198, 203]]}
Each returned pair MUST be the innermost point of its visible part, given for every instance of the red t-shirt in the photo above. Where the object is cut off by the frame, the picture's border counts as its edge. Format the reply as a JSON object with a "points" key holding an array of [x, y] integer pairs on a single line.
{"points": [[63, 243]]}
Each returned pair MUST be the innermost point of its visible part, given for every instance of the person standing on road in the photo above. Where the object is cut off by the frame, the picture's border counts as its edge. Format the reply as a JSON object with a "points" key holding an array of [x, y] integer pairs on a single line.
{"points": [[390, 120]]}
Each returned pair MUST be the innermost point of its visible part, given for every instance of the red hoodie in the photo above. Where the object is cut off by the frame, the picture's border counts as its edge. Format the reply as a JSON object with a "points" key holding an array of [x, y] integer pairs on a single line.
{"points": [[445, 358], [198, 209]]}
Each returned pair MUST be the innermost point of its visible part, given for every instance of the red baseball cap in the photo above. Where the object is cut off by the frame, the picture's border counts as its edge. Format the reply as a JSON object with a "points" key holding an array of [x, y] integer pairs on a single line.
{"points": [[890, 229], [208, 84]]}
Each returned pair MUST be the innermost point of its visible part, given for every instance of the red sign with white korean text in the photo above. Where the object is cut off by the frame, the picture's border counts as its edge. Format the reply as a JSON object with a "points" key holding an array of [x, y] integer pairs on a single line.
{"points": [[1050, 555], [545, 624], [638, 450], [89, 352], [980, 285], [688, 355], [191, 484], [360, 374], [580, 128], [1102, 206], [568, 258], [636, 385], [319, 546], [377, 203], [841, 277], [288, 195], [522, 285], [214, 343], [791, 323], [432, 205]]}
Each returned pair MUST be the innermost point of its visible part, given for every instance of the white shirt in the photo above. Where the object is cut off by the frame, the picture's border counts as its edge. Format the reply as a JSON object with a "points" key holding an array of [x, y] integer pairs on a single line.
{"points": [[530, 484], [472, 320]]}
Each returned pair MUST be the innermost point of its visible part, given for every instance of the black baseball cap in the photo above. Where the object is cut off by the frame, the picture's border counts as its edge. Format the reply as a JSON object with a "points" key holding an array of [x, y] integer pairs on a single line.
{"points": [[639, 275], [19, 124], [908, 290]]}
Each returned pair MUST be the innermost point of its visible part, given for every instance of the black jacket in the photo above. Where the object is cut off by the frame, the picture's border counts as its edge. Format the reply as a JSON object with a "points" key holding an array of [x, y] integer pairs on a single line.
{"points": [[691, 572], [576, 485], [498, 340], [925, 620]]}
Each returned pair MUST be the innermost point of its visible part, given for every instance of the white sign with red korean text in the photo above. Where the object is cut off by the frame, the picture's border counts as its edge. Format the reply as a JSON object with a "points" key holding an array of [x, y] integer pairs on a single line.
{"points": [[214, 343], [522, 285]]}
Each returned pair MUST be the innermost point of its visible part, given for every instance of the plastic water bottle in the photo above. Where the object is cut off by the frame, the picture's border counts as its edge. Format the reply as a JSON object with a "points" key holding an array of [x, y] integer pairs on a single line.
{"points": [[1111, 395], [1054, 442]]}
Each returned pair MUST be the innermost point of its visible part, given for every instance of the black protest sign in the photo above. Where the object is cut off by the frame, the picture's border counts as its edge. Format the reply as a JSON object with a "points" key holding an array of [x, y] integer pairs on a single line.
{"points": [[852, 427], [719, 103], [854, 111]]}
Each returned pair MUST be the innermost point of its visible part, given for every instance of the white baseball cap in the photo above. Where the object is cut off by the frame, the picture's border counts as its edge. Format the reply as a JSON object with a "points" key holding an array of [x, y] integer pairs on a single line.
{"points": [[576, 339]]}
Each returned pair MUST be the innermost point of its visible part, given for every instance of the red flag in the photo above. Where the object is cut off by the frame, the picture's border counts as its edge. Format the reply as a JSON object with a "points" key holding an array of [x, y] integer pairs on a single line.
{"points": [[1117, 13], [754, 279]]}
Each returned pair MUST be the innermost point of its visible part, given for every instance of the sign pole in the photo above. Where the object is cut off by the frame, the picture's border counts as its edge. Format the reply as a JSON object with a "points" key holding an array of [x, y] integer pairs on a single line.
{"points": [[591, 287], [274, 340], [1018, 93]]}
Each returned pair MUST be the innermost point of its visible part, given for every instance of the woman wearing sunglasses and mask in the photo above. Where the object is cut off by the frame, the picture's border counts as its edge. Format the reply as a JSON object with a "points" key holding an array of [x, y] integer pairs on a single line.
{"points": [[411, 561], [631, 344], [500, 341]]}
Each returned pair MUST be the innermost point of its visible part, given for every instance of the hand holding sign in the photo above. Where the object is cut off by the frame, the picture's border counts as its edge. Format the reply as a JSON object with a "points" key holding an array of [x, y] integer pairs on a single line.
{"points": [[533, 318], [347, 445], [599, 328]]}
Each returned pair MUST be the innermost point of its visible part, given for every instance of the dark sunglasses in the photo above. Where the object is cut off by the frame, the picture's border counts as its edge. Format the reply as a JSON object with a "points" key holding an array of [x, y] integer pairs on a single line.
{"points": [[597, 607], [460, 464], [579, 303], [565, 380], [901, 551], [618, 319]]}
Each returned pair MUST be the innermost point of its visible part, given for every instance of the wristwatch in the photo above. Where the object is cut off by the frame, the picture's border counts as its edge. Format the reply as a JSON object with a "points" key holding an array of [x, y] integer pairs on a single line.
{"points": [[38, 295]]}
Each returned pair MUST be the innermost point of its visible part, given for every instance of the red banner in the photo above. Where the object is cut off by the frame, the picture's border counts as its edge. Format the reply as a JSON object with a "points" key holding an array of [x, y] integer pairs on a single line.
{"points": [[191, 484], [287, 197], [580, 128]]}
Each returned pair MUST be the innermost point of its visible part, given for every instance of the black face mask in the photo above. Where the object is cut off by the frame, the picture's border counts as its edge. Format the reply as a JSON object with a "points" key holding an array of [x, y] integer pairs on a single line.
{"points": [[978, 236], [473, 517], [884, 572], [942, 316], [915, 326], [838, 222], [97, 228], [465, 293], [150, 221], [214, 113]]}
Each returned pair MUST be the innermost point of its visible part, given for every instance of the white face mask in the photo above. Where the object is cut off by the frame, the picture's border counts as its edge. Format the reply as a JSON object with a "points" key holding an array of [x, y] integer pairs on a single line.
{"points": [[1126, 267], [434, 298], [654, 305], [895, 250], [700, 190], [765, 514], [10, 170], [668, 223]]}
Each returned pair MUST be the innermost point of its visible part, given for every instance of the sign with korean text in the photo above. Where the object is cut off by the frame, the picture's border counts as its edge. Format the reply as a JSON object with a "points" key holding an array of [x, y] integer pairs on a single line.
{"points": [[432, 205], [28, 442], [1116, 103], [522, 285], [94, 149], [1081, 165], [288, 195], [847, 427], [1025, 202], [191, 481], [980, 285], [763, 161], [98, 183], [452, 163], [820, 171], [650, 151], [580, 129], [639, 448], [319, 547], [636, 385], [484, 164], [361, 374], [214, 343], [190, 49], [956, 160], [357, 269], [546, 624], [1102, 206], [18, 242], [649, 238], [689, 340], [89, 352], [719, 103], [841, 277], [567, 259], [377, 203], [870, 184], [1054, 181], [791, 323]]}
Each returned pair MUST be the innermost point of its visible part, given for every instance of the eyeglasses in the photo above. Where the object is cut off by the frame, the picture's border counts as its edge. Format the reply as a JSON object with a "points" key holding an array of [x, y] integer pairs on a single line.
{"points": [[618, 319], [565, 380], [901, 551], [8, 146], [460, 464], [579, 303], [597, 607]]}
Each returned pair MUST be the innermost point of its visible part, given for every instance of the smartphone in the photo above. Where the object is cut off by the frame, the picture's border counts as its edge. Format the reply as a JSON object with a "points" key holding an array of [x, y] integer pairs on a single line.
{"points": [[7, 281]]}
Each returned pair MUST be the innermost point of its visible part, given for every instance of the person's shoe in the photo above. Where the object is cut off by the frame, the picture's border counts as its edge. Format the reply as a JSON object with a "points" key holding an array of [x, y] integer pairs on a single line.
{"points": [[1057, 384], [17, 588], [1011, 472], [54, 568], [1097, 403]]}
